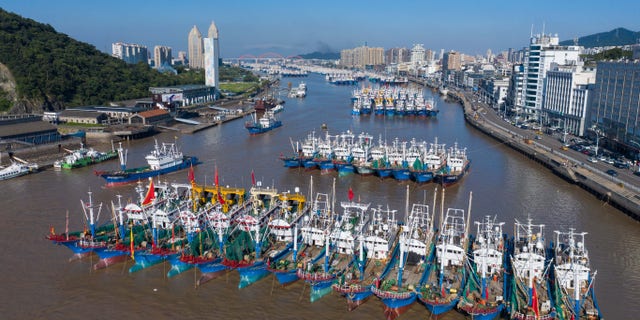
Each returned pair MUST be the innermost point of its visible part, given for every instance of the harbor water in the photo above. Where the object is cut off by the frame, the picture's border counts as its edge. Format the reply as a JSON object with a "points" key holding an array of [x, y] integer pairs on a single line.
{"points": [[40, 283]]}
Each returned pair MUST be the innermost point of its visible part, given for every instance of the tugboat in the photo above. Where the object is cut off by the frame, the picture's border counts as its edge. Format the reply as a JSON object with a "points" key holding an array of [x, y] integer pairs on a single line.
{"points": [[266, 123]]}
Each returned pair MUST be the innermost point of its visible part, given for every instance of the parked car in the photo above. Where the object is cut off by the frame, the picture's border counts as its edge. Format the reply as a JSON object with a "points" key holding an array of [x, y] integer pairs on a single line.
{"points": [[621, 165], [637, 173], [612, 173], [592, 159]]}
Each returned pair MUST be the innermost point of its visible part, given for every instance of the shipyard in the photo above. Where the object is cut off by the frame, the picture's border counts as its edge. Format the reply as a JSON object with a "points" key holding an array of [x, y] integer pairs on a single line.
{"points": [[246, 170]]}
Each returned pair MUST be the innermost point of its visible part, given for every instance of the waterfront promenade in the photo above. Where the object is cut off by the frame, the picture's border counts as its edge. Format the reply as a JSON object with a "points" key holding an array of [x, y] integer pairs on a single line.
{"points": [[621, 193]]}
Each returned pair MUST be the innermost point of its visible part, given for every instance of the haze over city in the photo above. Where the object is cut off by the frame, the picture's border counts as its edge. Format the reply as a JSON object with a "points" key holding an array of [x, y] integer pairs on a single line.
{"points": [[297, 27]]}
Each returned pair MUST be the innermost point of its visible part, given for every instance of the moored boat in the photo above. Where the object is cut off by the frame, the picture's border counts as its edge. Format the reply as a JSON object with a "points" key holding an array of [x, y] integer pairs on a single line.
{"points": [[530, 294], [398, 291], [83, 157], [485, 292], [441, 292], [161, 160], [266, 122], [573, 278]]}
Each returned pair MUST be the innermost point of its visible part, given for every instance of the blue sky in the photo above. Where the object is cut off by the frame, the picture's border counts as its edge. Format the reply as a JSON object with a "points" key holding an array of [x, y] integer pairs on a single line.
{"points": [[295, 27]]}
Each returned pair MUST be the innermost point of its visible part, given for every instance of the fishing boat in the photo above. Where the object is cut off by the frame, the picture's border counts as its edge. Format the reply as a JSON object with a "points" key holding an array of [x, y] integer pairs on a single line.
{"points": [[446, 280], [161, 160], [283, 227], [398, 160], [265, 123], [86, 242], [249, 240], [315, 230], [457, 165], [485, 292], [296, 159], [340, 246], [530, 294], [398, 291], [361, 156], [373, 258], [424, 169], [573, 278], [16, 169], [83, 157]]}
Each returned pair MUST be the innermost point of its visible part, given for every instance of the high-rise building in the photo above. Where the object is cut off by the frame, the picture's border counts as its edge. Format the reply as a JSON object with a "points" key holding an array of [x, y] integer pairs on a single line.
{"points": [[615, 107], [543, 50], [362, 57], [129, 52], [211, 56], [452, 61], [396, 55], [196, 60], [162, 56], [417, 54], [566, 96]]}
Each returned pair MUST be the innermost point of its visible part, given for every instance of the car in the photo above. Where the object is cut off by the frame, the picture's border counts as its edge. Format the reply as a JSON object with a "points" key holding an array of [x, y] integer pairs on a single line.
{"points": [[637, 173], [621, 165], [612, 173], [592, 159]]}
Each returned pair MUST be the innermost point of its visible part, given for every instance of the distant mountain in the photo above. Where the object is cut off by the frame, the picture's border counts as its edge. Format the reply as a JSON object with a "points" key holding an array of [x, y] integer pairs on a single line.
{"points": [[615, 37], [322, 55]]}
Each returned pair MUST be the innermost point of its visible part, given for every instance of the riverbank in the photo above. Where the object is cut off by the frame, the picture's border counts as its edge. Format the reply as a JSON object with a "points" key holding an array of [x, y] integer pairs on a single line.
{"points": [[618, 193]]}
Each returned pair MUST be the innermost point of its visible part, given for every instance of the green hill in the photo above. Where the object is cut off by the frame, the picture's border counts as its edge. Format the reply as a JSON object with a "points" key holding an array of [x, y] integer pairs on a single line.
{"points": [[615, 37], [52, 71]]}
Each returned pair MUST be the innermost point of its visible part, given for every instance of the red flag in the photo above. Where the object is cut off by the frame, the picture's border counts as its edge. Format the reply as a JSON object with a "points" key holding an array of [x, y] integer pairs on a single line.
{"points": [[350, 194], [534, 299], [220, 199], [150, 194], [191, 175], [216, 176], [253, 178]]}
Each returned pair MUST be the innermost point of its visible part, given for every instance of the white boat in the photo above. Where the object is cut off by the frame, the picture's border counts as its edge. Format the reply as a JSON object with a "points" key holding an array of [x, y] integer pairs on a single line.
{"points": [[16, 169], [575, 297]]}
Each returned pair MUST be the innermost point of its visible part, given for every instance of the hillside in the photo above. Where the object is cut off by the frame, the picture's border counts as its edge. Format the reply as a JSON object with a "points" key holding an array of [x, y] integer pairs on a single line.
{"points": [[52, 71], [615, 37]]}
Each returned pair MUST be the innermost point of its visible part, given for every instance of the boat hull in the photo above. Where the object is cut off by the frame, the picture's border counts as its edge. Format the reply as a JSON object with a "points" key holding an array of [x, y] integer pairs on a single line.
{"points": [[422, 176], [129, 176], [253, 130], [437, 308], [285, 277], [110, 257], [395, 304], [251, 274], [147, 259]]}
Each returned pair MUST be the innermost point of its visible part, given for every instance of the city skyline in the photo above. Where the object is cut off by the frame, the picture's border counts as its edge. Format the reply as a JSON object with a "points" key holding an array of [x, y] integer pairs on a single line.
{"points": [[293, 27]]}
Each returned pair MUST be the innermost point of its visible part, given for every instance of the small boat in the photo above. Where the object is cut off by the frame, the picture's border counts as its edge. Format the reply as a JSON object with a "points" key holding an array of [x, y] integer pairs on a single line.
{"points": [[162, 159], [16, 169], [441, 292], [83, 157], [485, 293], [574, 294], [266, 122]]}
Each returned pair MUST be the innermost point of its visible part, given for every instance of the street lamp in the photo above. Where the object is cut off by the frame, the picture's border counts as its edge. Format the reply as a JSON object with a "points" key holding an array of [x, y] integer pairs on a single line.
{"points": [[597, 131]]}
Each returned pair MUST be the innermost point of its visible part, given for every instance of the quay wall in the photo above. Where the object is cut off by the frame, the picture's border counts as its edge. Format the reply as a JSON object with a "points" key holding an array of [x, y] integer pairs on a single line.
{"points": [[619, 194]]}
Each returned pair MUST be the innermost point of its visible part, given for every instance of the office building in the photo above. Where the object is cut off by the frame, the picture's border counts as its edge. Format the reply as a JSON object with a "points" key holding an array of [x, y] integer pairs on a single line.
{"points": [[129, 52], [566, 97], [196, 59], [211, 56], [161, 56]]}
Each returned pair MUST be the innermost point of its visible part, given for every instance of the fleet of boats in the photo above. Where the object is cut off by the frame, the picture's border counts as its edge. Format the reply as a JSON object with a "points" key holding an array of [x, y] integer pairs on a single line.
{"points": [[403, 160], [299, 92], [390, 101], [355, 250]]}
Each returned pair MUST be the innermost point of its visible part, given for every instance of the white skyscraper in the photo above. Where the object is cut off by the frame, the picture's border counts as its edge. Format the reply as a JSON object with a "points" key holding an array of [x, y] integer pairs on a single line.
{"points": [[543, 50], [211, 56]]}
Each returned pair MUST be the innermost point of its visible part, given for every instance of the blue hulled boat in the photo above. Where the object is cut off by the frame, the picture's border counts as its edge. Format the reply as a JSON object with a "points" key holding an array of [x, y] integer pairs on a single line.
{"points": [[163, 159], [267, 122]]}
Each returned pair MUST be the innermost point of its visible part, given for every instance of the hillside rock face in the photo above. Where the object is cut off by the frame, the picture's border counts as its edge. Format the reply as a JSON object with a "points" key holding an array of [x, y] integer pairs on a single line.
{"points": [[21, 105]]}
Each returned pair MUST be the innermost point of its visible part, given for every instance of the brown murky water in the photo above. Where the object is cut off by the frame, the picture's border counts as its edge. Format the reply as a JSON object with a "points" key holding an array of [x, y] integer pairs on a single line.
{"points": [[38, 281]]}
